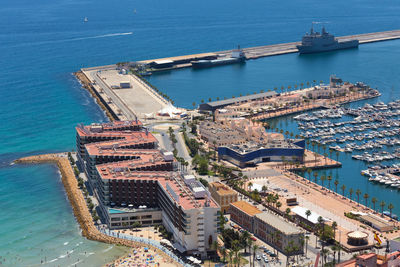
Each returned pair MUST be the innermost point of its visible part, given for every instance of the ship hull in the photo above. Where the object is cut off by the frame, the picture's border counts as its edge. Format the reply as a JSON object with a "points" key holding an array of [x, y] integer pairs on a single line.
{"points": [[217, 62], [317, 49]]}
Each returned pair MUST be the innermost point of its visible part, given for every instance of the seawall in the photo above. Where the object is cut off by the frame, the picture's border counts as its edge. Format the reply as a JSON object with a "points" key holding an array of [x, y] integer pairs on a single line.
{"points": [[100, 101], [78, 203]]}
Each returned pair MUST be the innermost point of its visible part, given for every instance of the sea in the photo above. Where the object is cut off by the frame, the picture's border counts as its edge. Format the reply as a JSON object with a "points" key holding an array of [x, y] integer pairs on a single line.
{"points": [[43, 42]]}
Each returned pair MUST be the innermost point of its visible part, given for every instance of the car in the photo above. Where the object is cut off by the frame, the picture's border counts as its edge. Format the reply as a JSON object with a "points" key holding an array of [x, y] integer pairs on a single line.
{"points": [[253, 238], [264, 255], [272, 255], [232, 224], [266, 260], [226, 219], [266, 250], [258, 257]]}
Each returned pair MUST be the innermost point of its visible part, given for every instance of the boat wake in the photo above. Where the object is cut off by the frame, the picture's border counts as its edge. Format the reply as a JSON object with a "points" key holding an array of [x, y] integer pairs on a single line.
{"points": [[100, 36], [76, 39]]}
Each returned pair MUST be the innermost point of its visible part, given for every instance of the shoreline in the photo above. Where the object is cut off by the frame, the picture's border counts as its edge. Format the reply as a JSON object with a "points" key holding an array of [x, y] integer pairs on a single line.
{"points": [[78, 203], [84, 81]]}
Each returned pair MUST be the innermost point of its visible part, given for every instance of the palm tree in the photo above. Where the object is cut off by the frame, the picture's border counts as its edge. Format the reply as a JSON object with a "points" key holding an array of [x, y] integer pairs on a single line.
{"points": [[255, 247], [334, 227], [329, 178], [374, 200], [278, 204], [323, 178], [308, 214], [307, 238], [230, 254], [287, 212], [249, 185], [315, 177], [366, 196], [335, 249], [223, 253], [382, 204], [343, 188], [264, 188], [358, 193], [194, 104], [336, 183], [390, 207], [351, 191], [309, 173]]}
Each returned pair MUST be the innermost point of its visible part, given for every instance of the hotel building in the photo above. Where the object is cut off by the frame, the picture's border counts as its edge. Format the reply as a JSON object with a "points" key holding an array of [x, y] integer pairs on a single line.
{"points": [[135, 182]]}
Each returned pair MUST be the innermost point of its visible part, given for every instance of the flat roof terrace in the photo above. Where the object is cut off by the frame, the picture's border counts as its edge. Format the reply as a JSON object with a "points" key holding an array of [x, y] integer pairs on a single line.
{"points": [[278, 223], [246, 207], [182, 194]]}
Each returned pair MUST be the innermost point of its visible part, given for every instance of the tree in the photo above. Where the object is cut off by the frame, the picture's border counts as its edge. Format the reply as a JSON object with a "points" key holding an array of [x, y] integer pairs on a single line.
{"points": [[351, 191], [249, 186], [382, 204], [323, 180], [366, 196], [336, 183], [278, 204], [329, 178], [374, 200], [255, 247], [287, 212], [308, 214], [390, 207], [334, 227], [358, 193], [264, 188], [309, 173], [315, 177], [343, 188], [307, 238], [194, 104]]}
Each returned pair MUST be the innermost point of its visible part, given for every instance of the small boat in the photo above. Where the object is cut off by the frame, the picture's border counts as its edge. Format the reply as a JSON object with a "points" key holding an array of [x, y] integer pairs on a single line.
{"points": [[85, 19]]}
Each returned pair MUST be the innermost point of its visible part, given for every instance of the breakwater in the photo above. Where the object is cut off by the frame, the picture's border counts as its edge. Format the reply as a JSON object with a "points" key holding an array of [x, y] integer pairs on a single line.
{"points": [[77, 201], [112, 116], [271, 50]]}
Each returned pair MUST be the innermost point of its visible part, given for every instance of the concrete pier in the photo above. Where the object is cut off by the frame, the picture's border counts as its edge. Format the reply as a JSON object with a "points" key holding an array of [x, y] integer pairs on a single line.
{"points": [[279, 49]]}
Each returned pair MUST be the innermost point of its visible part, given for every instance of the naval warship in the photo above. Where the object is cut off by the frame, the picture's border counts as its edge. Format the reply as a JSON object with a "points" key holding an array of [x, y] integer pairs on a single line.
{"points": [[315, 42]]}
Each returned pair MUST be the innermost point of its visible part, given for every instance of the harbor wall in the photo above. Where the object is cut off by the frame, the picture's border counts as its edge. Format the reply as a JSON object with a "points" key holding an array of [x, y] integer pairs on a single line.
{"points": [[100, 101]]}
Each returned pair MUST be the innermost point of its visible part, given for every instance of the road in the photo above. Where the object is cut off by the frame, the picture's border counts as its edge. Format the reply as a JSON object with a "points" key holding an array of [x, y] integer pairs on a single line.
{"points": [[117, 101]]}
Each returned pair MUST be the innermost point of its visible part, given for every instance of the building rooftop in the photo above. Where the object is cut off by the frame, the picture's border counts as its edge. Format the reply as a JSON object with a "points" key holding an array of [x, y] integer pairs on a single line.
{"points": [[278, 223], [246, 207], [381, 223], [249, 147], [110, 126], [223, 189], [313, 218], [172, 183], [230, 101]]}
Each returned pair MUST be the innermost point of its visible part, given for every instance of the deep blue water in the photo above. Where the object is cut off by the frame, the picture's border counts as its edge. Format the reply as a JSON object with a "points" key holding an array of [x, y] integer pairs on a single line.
{"points": [[43, 42]]}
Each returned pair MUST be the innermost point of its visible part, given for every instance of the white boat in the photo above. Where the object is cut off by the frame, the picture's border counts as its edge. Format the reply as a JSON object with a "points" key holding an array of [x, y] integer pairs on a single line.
{"points": [[85, 19]]}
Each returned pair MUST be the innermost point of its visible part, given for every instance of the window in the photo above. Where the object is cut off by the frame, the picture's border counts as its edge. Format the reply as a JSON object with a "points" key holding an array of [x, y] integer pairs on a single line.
{"points": [[115, 219]]}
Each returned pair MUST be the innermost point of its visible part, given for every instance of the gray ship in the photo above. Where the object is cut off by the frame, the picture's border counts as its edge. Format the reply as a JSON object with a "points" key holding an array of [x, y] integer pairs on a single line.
{"points": [[315, 42]]}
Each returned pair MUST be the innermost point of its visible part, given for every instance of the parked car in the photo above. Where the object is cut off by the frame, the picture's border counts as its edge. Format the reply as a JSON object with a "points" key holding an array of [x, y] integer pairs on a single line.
{"points": [[258, 257]]}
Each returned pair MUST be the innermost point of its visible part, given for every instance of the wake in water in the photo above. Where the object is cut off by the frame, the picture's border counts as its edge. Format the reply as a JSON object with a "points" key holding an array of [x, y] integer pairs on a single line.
{"points": [[76, 39]]}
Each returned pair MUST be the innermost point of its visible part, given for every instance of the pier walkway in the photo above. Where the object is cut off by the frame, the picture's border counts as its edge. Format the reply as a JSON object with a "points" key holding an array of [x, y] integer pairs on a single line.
{"points": [[278, 49]]}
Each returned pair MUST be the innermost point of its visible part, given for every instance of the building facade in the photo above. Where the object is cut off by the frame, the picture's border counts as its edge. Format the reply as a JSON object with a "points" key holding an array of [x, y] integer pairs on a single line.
{"points": [[278, 233], [137, 183], [223, 195], [243, 213]]}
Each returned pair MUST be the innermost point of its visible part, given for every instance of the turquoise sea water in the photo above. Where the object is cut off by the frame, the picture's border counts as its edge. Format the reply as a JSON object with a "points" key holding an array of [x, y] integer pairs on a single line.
{"points": [[43, 42]]}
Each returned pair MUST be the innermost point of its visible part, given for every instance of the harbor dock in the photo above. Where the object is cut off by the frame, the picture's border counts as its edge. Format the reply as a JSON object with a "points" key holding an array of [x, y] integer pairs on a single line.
{"points": [[270, 50]]}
